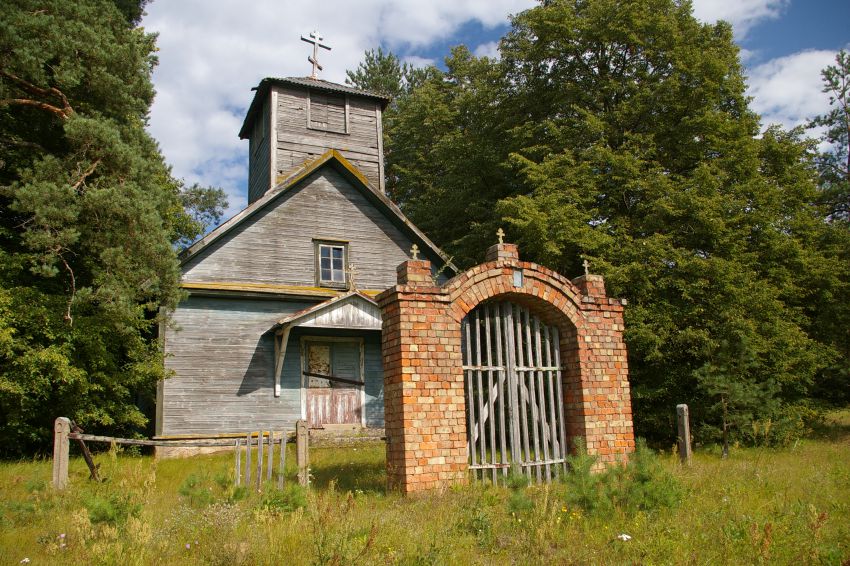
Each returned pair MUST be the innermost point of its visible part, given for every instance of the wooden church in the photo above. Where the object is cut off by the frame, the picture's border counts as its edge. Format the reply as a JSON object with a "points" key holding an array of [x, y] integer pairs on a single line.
{"points": [[280, 322]]}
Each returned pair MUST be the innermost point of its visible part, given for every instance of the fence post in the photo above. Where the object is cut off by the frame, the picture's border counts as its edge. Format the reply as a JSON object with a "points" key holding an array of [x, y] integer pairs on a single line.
{"points": [[684, 440], [282, 466], [61, 430], [302, 453]]}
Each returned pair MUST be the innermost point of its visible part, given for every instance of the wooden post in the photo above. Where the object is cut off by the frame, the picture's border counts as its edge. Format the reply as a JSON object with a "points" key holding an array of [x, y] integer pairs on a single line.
{"points": [[302, 453], [86, 454], [248, 461], [259, 460], [270, 458], [238, 451], [684, 440], [61, 430], [282, 466]]}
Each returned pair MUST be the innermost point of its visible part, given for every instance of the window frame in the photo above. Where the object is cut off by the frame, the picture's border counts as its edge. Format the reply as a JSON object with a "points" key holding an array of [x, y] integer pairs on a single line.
{"points": [[318, 245], [346, 107]]}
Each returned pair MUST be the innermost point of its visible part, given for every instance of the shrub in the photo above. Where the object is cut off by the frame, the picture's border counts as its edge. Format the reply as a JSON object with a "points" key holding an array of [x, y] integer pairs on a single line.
{"points": [[641, 484], [112, 508], [290, 498], [194, 488]]}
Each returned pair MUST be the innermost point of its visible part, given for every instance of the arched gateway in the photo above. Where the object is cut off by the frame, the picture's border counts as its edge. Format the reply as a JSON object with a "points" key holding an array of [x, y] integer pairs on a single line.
{"points": [[503, 365]]}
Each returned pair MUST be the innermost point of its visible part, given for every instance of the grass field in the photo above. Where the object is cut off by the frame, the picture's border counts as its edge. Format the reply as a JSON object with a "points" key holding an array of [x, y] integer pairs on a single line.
{"points": [[771, 506]]}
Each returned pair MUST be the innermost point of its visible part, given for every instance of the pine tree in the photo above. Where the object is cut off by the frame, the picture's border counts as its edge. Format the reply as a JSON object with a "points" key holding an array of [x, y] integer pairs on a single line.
{"points": [[89, 214]]}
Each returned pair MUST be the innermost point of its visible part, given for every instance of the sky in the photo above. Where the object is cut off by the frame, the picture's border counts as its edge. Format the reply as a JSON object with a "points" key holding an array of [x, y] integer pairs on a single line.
{"points": [[212, 52]]}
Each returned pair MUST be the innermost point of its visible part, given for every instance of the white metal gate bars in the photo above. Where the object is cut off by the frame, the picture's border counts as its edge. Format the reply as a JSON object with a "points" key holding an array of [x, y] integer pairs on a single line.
{"points": [[514, 397]]}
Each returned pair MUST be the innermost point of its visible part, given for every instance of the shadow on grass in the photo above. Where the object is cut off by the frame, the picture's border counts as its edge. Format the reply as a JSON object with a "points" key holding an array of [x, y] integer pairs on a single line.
{"points": [[368, 477], [835, 427]]}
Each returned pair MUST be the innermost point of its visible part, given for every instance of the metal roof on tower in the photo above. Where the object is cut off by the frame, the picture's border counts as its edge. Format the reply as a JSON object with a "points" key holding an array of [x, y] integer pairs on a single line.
{"points": [[301, 82]]}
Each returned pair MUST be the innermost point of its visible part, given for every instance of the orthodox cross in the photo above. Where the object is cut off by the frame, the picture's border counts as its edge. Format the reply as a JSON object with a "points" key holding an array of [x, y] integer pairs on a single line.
{"points": [[414, 252], [316, 40], [586, 265], [501, 234], [352, 273]]}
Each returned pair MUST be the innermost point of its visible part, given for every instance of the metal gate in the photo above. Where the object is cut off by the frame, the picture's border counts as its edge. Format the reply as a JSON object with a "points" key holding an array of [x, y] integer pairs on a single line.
{"points": [[514, 398]]}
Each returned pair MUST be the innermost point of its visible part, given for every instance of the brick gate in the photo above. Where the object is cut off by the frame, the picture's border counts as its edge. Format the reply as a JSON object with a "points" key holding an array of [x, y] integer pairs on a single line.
{"points": [[424, 396]]}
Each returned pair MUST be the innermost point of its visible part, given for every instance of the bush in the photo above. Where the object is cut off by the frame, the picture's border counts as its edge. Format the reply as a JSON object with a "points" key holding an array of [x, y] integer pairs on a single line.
{"points": [[290, 498], [112, 509], [196, 491], [641, 484]]}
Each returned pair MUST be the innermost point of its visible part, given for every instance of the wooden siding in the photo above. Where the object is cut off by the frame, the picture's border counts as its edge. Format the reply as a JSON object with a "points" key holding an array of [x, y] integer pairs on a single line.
{"points": [[259, 156], [297, 143], [353, 312], [222, 356], [275, 246], [373, 369]]}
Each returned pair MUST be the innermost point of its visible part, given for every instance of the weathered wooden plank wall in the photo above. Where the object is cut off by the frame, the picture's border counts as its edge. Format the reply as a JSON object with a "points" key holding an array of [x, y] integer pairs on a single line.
{"points": [[276, 245], [259, 155], [297, 143], [222, 358]]}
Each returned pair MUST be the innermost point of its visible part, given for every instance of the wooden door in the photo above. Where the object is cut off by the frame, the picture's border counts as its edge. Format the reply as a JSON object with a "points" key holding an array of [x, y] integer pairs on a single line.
{"points": [[330, 402]]}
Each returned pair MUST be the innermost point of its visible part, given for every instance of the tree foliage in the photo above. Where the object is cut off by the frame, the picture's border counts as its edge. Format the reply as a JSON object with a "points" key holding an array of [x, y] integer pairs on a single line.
{"points": [[834, 163], [89, 213], [620, 131]]}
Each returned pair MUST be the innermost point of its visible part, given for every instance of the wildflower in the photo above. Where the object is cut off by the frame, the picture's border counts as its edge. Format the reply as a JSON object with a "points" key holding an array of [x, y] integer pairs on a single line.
{"points": [[25, 561], [62, 535], [624, 537], [188, 546]]}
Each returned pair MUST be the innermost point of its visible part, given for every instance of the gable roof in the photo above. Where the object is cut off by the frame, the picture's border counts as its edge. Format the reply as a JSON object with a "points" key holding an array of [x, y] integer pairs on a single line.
{"points": [[330, 158], [349, 310], [300, 82]]}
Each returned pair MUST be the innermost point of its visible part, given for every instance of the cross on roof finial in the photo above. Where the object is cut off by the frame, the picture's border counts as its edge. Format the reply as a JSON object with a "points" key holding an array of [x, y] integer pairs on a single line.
{"points": [[414, 252], [316, 40], [501, 234], [586, 265]]}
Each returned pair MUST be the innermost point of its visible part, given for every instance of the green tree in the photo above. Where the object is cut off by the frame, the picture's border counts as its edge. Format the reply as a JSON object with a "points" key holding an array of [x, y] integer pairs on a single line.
{"points": [[834, 163], [620, 131], [88, 218]]}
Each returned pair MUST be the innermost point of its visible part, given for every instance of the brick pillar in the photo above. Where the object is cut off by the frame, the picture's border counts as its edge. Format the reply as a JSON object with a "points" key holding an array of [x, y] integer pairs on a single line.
{"points": [[498, 252], [605, 396], [424, 405]]}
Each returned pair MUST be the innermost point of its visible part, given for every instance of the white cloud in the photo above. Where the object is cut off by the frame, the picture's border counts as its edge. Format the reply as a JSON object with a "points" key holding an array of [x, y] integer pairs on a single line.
{"points": [[212, 52], [742, 14], [489, 49], [787, 90], [417, 62]]}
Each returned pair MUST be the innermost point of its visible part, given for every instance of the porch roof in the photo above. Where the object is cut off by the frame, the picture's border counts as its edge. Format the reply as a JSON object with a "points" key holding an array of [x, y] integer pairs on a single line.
{"points": [[352, 310]]}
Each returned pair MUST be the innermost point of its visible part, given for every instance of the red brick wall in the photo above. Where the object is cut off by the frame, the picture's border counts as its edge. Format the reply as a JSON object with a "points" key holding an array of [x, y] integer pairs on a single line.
{"points": [[423, 376]]}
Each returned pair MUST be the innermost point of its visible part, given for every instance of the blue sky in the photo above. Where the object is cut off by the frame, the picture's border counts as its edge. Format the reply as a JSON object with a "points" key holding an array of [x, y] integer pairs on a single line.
{"points": [[212, 52]]}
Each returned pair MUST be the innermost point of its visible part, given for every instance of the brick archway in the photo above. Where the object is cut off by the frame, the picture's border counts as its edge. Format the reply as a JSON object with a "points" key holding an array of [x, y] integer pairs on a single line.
{"points": [[423, 378]]}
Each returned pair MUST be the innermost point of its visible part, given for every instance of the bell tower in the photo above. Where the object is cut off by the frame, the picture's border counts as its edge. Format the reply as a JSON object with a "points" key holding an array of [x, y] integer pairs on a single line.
{"points": [[293, 120]]}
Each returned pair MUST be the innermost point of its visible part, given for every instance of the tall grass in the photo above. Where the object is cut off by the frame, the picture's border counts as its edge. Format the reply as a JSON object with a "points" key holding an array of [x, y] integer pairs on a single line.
{"points": [[762, 505]]}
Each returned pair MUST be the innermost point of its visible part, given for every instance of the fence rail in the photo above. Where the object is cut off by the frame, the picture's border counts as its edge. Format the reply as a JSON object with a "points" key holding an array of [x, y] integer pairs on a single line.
{"points": [[65, 431]]}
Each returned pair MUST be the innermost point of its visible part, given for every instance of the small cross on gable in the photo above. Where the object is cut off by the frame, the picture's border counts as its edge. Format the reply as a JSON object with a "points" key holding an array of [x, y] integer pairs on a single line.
{"points": [[414, 252], [501, 234], [586, 265]]}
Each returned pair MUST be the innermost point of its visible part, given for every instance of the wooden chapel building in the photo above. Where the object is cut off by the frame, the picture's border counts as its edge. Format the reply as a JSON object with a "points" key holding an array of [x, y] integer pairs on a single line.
{"points": [[280, 321]]}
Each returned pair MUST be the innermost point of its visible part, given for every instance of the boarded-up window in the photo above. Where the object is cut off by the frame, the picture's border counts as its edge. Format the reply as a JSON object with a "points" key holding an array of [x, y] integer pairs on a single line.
{"points": [[327, 112]]}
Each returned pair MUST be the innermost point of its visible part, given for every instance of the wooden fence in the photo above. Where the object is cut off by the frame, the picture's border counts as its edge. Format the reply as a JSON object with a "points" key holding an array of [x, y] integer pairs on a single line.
{"points": [[265, 441]]}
